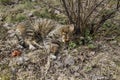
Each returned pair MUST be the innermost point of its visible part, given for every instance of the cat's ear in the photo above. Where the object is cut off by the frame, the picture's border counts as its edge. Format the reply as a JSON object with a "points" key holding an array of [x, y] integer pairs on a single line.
{"points": [[71, 28]]}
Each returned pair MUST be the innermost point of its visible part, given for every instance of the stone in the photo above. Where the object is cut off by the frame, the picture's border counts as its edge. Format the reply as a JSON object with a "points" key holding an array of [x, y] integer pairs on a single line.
{"points": [[69, 60], [52, 56]]}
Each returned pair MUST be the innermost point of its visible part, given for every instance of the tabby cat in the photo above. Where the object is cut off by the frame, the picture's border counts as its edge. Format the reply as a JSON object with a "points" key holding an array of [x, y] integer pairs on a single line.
{"points": [[50, 31]]}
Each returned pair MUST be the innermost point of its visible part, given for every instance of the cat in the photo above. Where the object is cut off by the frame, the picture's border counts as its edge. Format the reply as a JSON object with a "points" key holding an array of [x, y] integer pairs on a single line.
{"points": [[49, 31]]}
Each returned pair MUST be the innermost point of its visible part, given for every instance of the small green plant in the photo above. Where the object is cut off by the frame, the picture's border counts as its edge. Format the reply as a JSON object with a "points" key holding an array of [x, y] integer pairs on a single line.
{"points": [[108, 24], [89, 68], [72, 45], [91, 46], [88, 38], [20, 17]]}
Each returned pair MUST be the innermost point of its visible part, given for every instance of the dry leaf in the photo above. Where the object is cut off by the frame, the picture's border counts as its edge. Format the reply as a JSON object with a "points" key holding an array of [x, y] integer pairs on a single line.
{"points": [[15, 53]]}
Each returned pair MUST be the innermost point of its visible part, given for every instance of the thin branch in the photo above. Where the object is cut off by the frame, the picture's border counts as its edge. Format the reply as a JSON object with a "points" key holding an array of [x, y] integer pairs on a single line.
{"points": [[107, 16], [89, 14], [78, 13], [118, 4], [100, 12], [67, 12], [103, 19], [73, 10]]}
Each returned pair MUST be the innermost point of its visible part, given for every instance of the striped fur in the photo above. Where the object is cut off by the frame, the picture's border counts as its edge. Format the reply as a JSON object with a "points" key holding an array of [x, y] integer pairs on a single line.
{"points": [[50, 31]]}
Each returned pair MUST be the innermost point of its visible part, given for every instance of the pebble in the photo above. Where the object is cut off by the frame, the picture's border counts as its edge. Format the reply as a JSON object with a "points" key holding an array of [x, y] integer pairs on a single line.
{"points": [[30, 14], [76, 68], [92, 53], [18, 61], [76, 74], [69, 60], [6, 25], [58, 64], [53, 57], [57, 12]]}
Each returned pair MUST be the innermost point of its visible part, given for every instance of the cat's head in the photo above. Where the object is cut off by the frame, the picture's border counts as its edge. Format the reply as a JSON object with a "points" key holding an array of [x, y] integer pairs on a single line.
{"points": [[67, 33]]}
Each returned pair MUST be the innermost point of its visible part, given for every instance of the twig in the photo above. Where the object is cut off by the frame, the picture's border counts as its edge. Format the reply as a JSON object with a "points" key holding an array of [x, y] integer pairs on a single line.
{"points": [[47, 66], [103, 19], [118, 4], [67, 12], [98, 15], [78, 21], [89, 14]]}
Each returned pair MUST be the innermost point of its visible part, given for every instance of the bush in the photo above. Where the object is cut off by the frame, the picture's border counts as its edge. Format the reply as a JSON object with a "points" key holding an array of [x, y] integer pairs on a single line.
{"points": [[88, 16]]}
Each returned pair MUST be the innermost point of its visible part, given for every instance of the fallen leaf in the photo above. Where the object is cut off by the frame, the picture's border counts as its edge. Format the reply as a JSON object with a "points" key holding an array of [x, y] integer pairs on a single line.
{"points": [[15, 53]]}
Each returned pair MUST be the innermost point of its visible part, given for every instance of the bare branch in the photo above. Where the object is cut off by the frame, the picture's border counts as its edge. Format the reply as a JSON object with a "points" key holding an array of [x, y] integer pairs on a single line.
{"points": [[118, 4], [89, 14], [103, 19], [78, 20], [100, 12], [67, 12]]}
